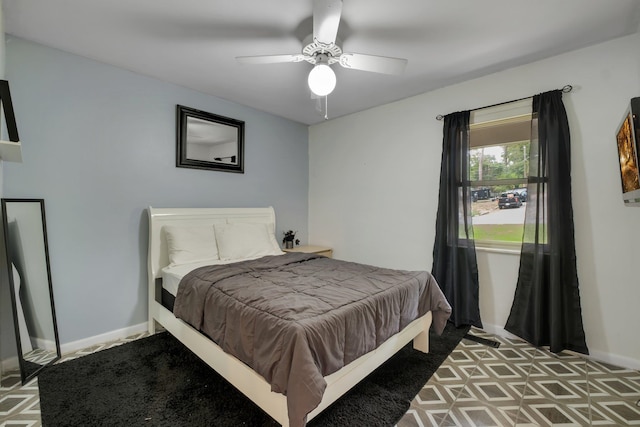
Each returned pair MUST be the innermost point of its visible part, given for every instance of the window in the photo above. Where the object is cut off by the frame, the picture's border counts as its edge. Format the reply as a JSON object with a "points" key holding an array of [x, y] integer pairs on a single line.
{"points": [[499, 142]]}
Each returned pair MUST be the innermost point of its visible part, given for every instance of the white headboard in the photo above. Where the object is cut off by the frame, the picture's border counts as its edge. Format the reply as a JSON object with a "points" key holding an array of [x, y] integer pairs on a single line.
{"points": [[160, 217]]}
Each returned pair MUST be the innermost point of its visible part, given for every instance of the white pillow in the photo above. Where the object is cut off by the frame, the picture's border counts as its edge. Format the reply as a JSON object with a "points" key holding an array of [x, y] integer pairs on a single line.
{"points": [[194, 243], [270, 230], [243, 240]]}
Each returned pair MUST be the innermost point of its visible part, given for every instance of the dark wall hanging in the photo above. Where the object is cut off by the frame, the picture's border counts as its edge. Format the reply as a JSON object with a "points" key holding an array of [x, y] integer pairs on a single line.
{"points": [[209, 141], [628, 139], [10, 151]]}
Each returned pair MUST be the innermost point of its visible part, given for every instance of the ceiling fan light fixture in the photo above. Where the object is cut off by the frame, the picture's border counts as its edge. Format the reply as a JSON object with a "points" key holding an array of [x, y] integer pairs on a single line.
{"points": [[322, 80]]}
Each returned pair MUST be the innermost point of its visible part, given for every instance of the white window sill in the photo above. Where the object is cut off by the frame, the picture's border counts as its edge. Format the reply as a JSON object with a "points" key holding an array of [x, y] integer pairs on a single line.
{"points": [[499, 247]]}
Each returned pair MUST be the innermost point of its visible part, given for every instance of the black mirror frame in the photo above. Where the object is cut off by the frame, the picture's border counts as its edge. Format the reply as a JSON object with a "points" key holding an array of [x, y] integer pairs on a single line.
{"points": [[6, 262], [181, 148]]}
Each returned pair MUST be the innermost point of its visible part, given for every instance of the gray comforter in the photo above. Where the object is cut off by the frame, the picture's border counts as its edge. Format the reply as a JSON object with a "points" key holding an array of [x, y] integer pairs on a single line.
{"points": [[298, 317]]}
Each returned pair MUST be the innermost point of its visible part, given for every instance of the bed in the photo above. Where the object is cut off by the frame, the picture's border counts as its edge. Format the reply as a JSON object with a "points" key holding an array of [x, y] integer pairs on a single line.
{"points": [[168, 266]]}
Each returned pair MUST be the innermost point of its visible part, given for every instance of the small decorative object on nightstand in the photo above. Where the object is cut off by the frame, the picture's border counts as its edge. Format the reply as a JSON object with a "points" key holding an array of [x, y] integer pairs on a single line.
{"points": [[312, 249], [289, 238]]}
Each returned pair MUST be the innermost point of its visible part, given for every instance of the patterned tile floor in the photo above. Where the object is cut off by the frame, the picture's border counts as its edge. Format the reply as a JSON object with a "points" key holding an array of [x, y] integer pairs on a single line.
{"points": [[519, 385], [513, 385]]}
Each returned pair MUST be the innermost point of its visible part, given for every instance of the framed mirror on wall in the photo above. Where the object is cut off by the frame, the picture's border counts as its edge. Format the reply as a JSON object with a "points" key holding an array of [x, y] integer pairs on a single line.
{"points": [[209, 141], [27, 272]]}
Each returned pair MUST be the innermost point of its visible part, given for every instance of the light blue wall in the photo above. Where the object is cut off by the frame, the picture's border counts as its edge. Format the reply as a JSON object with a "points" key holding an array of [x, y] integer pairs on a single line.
{"points": [[99, 147]]}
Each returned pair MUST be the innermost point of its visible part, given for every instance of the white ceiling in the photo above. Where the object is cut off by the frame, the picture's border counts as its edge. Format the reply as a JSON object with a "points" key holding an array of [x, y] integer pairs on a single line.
{"points": [[194, 43]]}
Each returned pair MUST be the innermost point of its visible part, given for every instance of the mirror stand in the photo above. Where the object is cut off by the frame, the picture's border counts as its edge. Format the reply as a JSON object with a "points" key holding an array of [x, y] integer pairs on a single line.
{"points": [[26, 271]]}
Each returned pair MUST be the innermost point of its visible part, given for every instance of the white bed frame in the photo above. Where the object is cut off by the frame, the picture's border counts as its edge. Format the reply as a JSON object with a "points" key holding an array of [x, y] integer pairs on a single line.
{"points": [[233, 370]]}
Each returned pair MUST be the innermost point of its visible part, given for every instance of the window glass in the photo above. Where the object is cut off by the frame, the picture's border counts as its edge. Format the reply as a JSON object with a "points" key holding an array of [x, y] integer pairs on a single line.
{"points": [[498, 213], [498, 173]]}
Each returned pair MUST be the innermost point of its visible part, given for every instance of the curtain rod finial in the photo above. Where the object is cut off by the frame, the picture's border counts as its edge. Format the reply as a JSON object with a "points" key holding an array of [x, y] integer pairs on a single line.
{"points": [[439, 117], [567, 89]]}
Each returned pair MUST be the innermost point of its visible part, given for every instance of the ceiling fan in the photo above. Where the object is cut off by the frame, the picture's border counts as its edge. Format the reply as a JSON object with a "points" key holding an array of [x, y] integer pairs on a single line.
{"points": [[321, 50]]}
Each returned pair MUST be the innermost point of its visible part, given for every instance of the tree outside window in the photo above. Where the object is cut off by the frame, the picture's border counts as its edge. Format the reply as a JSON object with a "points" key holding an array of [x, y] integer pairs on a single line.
{"points": [[498, 175]]}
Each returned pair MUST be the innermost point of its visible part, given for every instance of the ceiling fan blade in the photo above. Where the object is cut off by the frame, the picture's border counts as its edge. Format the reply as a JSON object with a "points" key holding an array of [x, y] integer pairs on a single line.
{"points": [[326, 19], [373, 63], [269, 59]]}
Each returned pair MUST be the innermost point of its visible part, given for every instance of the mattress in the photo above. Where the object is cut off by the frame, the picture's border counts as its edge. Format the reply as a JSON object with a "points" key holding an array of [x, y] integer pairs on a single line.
{"points": [[172, 274]]}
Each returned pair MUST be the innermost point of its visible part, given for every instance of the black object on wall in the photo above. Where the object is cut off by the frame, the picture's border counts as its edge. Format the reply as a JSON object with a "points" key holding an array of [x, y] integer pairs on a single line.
{"points": [[628, 141], [209, 141], [7, 106]]}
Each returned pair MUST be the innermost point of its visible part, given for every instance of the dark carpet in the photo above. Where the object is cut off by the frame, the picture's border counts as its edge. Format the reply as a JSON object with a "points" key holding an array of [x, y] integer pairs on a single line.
{"points": [[156, 381]]}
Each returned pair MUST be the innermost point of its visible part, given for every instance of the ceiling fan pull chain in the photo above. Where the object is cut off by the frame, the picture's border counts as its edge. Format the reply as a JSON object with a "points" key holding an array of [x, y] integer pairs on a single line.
{"points": [[326, 107]]}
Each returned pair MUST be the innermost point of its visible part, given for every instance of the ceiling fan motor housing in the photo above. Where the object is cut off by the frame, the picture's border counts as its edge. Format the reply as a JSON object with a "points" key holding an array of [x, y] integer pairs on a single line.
{"points": [[312, 50]]}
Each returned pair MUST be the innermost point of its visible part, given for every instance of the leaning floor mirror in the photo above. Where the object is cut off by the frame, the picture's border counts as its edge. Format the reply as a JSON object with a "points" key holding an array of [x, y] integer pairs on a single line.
{"points": [[25, 265]]}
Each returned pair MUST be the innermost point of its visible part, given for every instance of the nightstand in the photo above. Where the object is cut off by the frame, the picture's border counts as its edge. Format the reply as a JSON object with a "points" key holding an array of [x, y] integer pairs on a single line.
{"points": [[312, 249]]}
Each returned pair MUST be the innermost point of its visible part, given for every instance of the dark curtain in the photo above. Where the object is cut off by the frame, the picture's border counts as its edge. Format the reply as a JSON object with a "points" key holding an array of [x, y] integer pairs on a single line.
{"points": [[454, 254], [546, 305]]}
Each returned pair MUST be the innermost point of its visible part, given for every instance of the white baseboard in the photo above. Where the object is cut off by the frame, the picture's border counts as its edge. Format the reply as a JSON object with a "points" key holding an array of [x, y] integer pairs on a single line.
{"points": [[598, 356], [614, 359], [103, 338]]}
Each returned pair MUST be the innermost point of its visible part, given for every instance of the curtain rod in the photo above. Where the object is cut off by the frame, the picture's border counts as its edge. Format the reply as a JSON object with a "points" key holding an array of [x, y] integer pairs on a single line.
{"points": [[565, 89]]}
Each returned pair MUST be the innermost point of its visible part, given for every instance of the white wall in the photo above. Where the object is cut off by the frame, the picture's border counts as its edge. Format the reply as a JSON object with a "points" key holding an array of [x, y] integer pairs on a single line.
{"points": [[2, 54], [99, 145], [374, 175]]}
